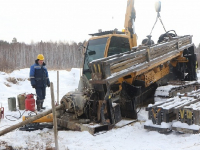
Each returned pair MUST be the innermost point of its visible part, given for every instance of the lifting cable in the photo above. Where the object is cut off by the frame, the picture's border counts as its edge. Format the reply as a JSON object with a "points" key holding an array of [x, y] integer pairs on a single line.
{"points": [[158, 17]]}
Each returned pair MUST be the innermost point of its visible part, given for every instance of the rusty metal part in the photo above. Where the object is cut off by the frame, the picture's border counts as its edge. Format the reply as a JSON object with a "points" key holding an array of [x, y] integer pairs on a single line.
{"points": [[69, 121], [84, 84], [76, 126], [74, 102]]}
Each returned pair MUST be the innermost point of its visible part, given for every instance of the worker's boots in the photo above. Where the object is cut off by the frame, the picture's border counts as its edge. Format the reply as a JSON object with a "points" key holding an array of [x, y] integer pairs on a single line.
{"points": [[38, 106], [42, 107]]}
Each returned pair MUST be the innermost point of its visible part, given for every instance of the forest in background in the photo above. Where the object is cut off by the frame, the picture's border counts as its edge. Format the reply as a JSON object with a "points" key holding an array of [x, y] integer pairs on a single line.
{"points": [[60, 55]]}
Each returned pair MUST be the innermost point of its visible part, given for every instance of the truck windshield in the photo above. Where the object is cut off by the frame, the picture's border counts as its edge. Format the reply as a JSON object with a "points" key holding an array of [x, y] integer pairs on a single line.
{"points": [[95, 50]]}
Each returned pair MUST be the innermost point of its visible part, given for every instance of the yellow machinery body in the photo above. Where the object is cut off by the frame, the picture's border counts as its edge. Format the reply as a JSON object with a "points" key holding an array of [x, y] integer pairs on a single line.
{"points": [[47, 118]]}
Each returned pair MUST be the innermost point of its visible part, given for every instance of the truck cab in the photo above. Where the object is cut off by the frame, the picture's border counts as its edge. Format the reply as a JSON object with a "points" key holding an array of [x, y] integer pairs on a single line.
{"points": [[104, 44]]}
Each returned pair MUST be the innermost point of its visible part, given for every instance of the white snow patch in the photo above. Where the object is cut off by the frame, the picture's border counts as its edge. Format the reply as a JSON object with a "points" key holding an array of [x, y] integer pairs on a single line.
{"points": [[163, 124], [185, 125]]}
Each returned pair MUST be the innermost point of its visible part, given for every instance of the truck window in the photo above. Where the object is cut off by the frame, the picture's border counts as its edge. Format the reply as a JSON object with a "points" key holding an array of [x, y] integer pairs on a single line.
{"points": [[95, 50], [118, 45]]}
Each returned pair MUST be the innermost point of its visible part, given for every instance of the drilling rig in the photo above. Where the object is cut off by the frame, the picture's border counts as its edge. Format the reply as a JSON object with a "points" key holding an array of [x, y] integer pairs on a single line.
{"points": [[118, 76]]}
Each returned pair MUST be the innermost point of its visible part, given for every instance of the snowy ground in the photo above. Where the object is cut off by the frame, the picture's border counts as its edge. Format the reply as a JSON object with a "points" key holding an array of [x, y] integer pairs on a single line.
{"points": [[131, 137]]}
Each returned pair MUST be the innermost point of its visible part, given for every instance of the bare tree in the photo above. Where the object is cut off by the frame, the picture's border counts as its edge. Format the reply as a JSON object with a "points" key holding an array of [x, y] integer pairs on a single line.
{"points": [[61, 55]]}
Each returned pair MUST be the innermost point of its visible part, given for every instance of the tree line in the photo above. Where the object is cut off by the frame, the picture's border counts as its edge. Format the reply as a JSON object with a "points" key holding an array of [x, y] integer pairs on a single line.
{"points": [[58, 55]]}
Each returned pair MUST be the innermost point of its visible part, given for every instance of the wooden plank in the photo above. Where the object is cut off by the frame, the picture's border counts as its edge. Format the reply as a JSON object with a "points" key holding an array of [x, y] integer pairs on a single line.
{"points": [[124, 122], [185, 130], [54, 117], [161, 130]]}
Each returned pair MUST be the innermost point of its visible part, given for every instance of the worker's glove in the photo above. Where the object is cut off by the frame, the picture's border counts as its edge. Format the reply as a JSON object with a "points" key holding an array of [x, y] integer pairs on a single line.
{"points": [[33, 86]]}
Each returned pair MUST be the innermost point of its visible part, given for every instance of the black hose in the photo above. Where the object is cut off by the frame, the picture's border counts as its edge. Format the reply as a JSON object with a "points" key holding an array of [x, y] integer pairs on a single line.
{"points": [[14, 116], [17, 118]]}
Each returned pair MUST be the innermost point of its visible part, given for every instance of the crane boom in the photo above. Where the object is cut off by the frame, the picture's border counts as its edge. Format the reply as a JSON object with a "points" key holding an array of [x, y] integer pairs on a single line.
{"points": [[129, 23]]}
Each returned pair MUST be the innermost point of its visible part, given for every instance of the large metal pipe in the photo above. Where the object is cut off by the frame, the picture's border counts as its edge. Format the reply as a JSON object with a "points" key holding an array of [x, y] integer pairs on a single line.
{"points": [[57, 87], [30, 120]]}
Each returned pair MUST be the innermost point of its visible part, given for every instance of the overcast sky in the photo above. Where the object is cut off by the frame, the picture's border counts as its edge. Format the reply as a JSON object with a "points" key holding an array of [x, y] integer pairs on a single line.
{"points": [[73, 20]]}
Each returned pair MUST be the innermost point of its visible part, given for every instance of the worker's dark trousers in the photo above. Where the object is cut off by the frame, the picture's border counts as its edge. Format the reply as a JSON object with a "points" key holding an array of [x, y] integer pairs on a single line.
{"points": [[41, 93]]}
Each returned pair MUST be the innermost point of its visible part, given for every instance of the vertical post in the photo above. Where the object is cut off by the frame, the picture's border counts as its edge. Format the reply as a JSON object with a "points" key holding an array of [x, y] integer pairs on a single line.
{"points": [[57, 87], [54, 117]]}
